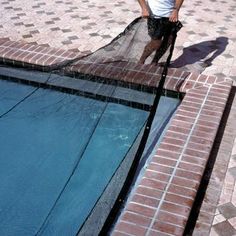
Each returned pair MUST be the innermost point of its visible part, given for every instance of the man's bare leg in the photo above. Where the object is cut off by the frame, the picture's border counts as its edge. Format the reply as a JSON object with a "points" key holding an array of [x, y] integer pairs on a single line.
{"points": [[152, 46], [162, 51]]}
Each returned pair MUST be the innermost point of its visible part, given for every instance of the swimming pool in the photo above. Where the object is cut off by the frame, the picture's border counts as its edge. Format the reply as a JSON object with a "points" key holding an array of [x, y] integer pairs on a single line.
{"points": [[59, 153]]}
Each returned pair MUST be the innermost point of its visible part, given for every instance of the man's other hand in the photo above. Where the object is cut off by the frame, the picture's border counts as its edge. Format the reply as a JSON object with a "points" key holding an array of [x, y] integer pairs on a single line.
{"points": [[174, 17], [145, 13]]}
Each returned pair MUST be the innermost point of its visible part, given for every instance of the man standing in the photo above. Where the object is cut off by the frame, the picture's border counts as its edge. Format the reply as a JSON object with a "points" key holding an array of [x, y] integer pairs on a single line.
{"points": [[162, 16]]}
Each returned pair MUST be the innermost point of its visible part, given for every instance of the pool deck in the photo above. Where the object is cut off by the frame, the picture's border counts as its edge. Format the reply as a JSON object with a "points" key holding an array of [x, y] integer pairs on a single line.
{"points": [[62, 30]]}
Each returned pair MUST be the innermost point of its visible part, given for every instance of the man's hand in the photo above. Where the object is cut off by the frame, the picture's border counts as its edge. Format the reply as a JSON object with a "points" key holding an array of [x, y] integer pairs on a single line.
{"points": [[145, 12], [174, 16]]}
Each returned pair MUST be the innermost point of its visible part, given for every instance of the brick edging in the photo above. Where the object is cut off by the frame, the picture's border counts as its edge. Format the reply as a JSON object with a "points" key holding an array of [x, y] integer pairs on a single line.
{"points": [[34, 56], [160, 203]]}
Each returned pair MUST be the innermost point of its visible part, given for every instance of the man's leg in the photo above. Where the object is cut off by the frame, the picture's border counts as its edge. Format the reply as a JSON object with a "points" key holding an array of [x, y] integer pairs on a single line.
{"points": [[166, 42], [152, 46]]}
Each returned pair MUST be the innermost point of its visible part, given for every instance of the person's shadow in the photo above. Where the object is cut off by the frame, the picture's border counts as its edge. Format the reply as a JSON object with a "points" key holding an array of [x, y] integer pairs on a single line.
{"points": [[199, 54]]}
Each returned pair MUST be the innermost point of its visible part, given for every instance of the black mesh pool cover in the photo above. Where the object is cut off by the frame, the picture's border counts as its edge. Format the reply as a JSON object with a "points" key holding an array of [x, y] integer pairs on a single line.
{"points": [[129, 45]]}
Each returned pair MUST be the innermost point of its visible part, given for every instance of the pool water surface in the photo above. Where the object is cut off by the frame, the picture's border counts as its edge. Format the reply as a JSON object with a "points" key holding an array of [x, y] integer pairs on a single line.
{"points": [[58, 153]]}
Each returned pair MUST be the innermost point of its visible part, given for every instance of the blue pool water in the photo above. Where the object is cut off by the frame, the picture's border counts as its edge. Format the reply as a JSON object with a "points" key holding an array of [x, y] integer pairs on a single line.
{"points": [[52, 171], [58, 152]]}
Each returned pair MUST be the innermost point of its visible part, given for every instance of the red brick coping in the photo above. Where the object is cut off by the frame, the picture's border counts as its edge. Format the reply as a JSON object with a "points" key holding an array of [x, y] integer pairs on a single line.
{"points": [[36, 56], [163, 196]]}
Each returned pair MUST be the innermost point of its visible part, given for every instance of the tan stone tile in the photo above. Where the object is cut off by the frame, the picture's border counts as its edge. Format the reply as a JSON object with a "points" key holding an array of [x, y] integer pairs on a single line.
{"points": [[232, 221], [224, 198], [213, 232], [218, 219], [234, 148]]}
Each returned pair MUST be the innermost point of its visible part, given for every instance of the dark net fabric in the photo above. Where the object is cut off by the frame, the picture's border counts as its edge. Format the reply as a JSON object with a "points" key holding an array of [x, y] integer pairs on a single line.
{"points": [[129, 45]]}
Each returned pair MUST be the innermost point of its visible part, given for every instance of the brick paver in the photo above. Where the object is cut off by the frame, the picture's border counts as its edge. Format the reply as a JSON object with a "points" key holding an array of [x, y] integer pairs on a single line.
{"points": [[206, 44]]}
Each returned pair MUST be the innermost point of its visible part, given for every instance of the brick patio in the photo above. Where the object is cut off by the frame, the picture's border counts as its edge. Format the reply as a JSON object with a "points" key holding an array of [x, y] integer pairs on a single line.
{"points": [[43, 25]]}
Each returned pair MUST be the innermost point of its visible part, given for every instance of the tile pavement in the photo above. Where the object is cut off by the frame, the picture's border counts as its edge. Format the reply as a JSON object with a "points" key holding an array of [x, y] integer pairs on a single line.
{"points": [[225, 212], [209, 34], [78, 25]]}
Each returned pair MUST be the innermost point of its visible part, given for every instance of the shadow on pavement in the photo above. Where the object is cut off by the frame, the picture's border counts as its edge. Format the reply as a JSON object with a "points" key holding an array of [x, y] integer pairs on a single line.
{"points": [[200, 55]]}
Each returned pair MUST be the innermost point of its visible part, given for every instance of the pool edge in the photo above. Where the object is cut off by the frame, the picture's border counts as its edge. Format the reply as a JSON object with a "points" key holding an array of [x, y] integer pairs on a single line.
{"points": [[174, 154]]}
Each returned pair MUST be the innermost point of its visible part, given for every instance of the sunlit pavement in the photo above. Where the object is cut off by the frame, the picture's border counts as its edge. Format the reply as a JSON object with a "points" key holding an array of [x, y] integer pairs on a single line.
{"points": [[207, 39]]}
